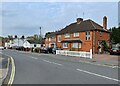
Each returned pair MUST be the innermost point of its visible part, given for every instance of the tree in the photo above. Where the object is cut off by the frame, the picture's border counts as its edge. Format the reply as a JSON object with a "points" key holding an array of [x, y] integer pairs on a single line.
{"points": [[23, 37], [36, 38], [47, 33], [115, 35], [10, 37], [15, 36]]}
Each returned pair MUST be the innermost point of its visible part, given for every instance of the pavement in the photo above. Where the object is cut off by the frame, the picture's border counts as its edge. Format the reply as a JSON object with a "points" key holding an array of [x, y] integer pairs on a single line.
{"points": [[3, 67], [107, 59]]}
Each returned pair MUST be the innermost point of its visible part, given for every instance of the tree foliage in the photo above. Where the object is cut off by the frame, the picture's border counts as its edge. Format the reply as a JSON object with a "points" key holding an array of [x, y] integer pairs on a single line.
{"points": [[35, 38], [22, 37], [47, 34], [115, 35]]}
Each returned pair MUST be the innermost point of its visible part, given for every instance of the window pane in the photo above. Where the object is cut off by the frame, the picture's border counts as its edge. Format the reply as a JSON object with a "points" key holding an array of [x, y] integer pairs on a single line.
{"points": [[76, 34], [59, 38], [86, 38], [87, 35], [65, 45], [75, 45], [67, 35]]}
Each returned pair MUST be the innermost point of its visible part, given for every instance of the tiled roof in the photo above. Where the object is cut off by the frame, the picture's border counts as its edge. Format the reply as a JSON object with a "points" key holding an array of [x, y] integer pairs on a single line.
{"points": [[36, 42], [52, 34], [86, 25]]}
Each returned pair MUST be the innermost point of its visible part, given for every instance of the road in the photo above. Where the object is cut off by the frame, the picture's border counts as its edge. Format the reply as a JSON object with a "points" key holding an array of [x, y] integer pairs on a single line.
{"points": [[46, 69]]}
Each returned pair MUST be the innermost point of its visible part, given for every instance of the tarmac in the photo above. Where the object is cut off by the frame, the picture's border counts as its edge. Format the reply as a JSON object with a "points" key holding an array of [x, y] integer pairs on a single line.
{"points": [[98, 59]]}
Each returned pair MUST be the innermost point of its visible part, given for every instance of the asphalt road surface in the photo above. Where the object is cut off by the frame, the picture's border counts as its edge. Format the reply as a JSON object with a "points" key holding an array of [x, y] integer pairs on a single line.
{"points": [[45, 69]]}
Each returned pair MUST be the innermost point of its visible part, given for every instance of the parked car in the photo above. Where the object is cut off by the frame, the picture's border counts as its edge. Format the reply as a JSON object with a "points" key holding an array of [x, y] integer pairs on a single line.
{"points": [[1, 48], [114, 51], [54, 50], [46, 50]]}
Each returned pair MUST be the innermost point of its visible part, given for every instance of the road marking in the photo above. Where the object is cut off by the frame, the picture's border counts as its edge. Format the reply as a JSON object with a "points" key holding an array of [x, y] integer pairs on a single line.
{"points": [[12, 72], [52, 62], [47, 61], [33, 57], [12, 75], [57, 63], [98, 75]]}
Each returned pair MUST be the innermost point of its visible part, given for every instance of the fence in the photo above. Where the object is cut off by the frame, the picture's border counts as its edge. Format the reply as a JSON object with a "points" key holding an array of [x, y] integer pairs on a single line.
{"points": [[75, 53]]}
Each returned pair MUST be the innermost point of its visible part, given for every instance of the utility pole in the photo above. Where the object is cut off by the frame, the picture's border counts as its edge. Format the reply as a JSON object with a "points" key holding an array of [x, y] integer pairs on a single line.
{"points": [[83, 15], [40, 32]]}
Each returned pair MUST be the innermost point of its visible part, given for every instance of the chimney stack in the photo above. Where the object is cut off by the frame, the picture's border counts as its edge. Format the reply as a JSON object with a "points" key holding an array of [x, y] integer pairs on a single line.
{"points": [[79, 20], [105, 22]]}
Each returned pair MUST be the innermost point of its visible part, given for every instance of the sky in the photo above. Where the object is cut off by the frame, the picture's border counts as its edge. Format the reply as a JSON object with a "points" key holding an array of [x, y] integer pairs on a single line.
{"points": [[25, 18]]}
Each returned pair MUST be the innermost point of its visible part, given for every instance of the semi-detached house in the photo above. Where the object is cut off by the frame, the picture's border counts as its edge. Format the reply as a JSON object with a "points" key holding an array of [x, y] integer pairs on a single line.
{"points": [[82, 35]]}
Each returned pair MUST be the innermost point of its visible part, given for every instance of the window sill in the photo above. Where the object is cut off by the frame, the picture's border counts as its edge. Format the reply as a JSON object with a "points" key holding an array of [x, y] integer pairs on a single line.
{"points": [[87, 40], [76, 36], [65, 47]]}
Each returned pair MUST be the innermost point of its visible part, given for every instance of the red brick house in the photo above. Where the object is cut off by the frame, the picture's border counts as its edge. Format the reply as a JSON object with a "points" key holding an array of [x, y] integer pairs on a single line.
{"points": [[82, 35]]}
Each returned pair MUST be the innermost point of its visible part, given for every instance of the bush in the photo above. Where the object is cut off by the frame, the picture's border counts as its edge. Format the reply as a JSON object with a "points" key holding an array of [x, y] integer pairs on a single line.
{"points": [[36, 50]]}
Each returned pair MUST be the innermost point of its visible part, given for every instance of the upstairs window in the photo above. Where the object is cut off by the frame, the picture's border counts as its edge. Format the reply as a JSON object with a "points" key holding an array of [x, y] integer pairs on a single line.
{"points": [[87, 35], [67, 35], [59, 38], [76, 34], [53, 38], [100, 34]]}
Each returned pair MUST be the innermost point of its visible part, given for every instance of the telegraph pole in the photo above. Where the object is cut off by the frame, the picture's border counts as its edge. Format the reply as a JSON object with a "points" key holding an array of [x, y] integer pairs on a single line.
{"points": [[40, 32], [83, 15]]}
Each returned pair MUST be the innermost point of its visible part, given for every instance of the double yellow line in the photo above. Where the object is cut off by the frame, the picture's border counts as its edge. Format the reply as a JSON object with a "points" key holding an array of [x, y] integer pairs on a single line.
{"points": [[12, 75]]}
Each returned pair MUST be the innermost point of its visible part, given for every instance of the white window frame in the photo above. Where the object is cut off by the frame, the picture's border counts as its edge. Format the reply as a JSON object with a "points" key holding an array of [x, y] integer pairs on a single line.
{"points": [[53, 38], [67, 35], [87, 35], [100, 33], [65, 45], [47, 45], [76, 34], [49, 39], [59, 38], [75, 45]]}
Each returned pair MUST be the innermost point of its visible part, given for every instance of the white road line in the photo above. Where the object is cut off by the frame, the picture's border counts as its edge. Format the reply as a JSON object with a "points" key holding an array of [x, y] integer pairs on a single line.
{"points": [[33, 57], [52, 62], [98, 75], [57, 63], [47, 61]]}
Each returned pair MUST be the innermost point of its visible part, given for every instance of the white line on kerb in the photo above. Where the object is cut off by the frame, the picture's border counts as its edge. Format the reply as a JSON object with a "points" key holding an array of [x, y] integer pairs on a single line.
{"points": [[52, 62], [98, 75]]}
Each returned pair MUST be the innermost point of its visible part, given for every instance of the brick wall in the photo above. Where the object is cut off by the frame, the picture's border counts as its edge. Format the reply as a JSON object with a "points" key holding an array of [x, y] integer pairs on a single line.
{"points": [[86, 45]]}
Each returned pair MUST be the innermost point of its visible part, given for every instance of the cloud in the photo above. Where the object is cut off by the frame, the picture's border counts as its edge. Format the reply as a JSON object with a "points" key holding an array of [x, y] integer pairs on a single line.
{"points": [[28, 17], [60, 0]]}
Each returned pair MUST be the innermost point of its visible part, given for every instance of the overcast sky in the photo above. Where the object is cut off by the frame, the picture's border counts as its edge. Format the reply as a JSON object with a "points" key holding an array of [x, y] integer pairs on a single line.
{"points": [[25, 18]]}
